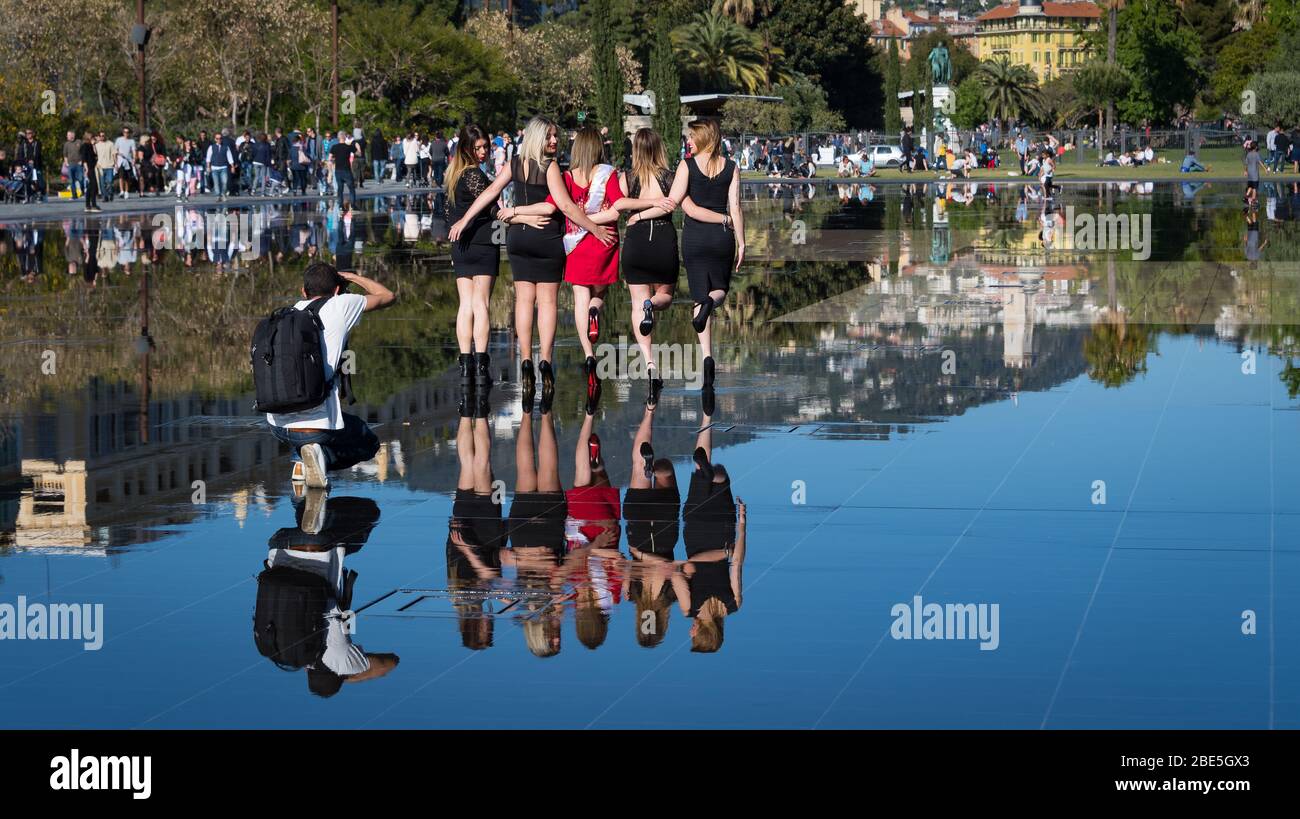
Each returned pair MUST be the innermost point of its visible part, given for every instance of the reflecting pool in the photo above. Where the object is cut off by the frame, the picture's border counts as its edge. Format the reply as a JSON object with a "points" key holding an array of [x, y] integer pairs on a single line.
{"points": [[974, 460]]}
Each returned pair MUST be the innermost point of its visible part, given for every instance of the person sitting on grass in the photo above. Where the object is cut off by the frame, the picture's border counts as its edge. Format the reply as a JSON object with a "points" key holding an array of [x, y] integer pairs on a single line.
{"points": [[1191, 164], [866, 164], [1110, 159], [1148, 156], [1031, 165], [846, 167]]}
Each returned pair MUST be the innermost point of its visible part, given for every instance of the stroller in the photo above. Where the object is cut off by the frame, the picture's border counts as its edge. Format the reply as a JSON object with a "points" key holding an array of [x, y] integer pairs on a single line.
{"points": [[277, 184]]}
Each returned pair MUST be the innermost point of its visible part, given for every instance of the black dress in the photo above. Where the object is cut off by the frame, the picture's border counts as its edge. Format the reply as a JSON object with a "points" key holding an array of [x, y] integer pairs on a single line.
{"points": [[709, 515], [536, 254], [537, 519], [651, 515], [650, 246], [708, 249], [479, 519], [474, 254]]}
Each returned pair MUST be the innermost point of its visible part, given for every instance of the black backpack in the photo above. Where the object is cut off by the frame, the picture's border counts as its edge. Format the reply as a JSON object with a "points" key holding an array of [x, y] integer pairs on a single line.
{"points": [[289, 616], [288, 358]]}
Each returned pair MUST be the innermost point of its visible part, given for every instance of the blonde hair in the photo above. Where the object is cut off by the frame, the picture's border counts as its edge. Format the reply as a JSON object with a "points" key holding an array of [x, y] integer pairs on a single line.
{"points": [[648, 157], [587, 150], [707, 137], [533, 146]]}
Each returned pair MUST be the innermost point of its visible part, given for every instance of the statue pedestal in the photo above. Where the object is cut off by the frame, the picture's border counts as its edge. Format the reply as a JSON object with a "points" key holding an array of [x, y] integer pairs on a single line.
{"points": [[944, 102]]}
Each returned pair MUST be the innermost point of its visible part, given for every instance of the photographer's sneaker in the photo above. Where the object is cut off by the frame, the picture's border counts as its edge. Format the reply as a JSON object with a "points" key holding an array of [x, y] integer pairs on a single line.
{"points": [[313, 463], [299, 473]]}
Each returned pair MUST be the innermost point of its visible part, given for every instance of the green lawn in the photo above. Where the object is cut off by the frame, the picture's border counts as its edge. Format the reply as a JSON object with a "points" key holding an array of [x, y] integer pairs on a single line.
{"points": [[1221, 163]]}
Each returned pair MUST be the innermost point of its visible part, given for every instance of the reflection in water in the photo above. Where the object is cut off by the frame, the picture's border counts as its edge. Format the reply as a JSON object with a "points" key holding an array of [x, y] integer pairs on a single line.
{"points": [[302, 619]]}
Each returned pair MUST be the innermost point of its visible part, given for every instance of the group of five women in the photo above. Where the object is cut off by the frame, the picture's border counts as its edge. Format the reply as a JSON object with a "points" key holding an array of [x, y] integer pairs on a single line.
{"points": [[583, 248]]}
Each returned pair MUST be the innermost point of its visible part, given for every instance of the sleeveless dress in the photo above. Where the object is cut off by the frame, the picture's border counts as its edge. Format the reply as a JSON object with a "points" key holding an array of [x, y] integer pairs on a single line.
{"points": [[708, 249], [475, 254], [536, 254], [650, 246], [591, 263], [652, 519]]}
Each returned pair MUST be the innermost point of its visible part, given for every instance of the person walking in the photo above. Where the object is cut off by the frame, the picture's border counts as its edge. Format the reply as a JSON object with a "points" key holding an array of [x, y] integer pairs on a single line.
{"points": [[219, 159], [72, 161], [650, 258], [105, 161], [86, 161], [713, 232], [341, 159], [438, 157], [378, 155]]}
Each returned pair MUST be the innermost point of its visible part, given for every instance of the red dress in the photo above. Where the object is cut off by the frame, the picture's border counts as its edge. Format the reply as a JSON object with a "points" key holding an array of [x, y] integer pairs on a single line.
{"points": [[591, 263]]}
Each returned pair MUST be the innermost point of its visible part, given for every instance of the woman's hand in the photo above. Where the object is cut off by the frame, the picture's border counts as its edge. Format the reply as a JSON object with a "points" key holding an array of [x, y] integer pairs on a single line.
{"points": [[456, 230], [633, 219], [506, 215], [536, 220], [605, 235], [740, 254], [667, 204]]}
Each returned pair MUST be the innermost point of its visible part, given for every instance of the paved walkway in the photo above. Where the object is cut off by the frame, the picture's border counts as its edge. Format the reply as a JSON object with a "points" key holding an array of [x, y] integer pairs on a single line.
{"points": [[56, 208]]}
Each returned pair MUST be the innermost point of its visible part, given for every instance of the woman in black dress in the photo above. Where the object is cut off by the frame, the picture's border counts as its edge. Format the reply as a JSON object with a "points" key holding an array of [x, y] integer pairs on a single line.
{"points": [[713, 233], [650, 507], [536, 250], [709, 583], [650, 263]]}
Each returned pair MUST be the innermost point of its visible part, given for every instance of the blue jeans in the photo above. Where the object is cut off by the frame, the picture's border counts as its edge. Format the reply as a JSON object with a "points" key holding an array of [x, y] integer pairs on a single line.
{"points": [[106, 182], [344, 178], [377, 168], [261, 175], [76, 180], [220, 176], [343, 448]]}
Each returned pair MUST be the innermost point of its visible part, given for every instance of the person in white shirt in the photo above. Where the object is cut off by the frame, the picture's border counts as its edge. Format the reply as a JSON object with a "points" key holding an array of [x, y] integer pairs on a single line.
{"points": [[326, 438], [410, 158]]}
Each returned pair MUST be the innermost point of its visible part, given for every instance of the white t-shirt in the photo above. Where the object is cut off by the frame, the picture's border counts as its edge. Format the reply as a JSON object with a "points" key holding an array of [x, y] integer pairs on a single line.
{"points": [[339, 315]]}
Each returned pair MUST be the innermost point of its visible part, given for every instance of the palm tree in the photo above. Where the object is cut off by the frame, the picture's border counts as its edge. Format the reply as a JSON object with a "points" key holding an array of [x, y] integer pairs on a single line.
{"points": [[742, 11], [720, 55], [1247, 13], [1011, 90]]}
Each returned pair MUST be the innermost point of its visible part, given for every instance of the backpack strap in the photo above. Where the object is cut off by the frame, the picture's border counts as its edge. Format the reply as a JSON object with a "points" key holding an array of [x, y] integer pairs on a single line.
{"points": [[341, 378]]}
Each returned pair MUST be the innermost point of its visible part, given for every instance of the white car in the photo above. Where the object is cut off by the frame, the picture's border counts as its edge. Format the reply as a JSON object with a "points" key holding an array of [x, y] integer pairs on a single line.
{"points": [[884, 156]]}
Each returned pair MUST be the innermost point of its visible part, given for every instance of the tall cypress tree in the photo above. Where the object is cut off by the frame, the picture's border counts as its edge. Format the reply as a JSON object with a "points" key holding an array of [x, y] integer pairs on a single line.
{"points": [[609, 80], [893, 117], [666, 84]]}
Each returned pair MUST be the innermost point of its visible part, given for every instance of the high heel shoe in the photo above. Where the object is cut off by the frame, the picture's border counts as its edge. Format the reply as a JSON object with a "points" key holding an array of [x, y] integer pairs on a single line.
{"points": [[482, 370], [656, 386], [648, 460], [709, 371], [700, 321], [593, 324], [593, 450], [529, 391], [548, 385], [647, 318]]}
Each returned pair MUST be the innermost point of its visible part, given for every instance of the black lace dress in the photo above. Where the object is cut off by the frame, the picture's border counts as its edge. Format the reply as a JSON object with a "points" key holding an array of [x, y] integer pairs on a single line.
{"points": [[475, 253]]}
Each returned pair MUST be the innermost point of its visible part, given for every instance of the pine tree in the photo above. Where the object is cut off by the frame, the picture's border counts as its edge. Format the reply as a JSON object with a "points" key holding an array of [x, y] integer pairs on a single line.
{"points": [[666, 84], [609, 79], [893, 117]]}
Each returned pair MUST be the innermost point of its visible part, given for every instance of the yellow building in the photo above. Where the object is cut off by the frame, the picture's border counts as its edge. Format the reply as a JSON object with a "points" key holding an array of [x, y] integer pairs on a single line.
{"points": [[1045, 36]]}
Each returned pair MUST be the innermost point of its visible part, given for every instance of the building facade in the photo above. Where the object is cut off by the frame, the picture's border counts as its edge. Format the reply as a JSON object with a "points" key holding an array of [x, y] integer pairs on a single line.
{"points": [[1045, 36]]}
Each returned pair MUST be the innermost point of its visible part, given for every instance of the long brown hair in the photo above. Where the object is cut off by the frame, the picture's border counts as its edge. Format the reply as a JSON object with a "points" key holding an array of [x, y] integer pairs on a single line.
{"points": [[707, 138], [648, 157], [586, 151], [464, 158]]}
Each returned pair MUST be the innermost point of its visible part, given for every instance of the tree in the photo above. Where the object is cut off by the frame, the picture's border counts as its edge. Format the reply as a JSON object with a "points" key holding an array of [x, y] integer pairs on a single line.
{"points": [[1010, 90], [609, 81], [1238, 59], [747, 116], [808, 108], [970, 108], [720, 55], [742, 11], [1162, 55], [1100, 85], [1277, 97], [664, 82], [893, 117], [830, 44]]}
